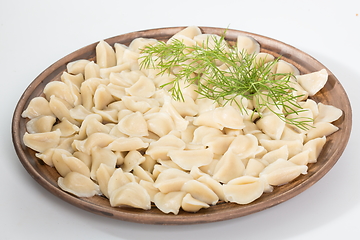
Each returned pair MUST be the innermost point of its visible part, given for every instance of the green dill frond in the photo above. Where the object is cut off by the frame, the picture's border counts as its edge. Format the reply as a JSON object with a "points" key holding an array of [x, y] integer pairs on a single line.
{"points": [[223, 73]]}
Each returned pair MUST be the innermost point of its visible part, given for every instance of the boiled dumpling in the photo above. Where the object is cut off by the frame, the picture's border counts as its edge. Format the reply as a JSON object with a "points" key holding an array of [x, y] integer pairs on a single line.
{"points": [[119, 79], [79, 113], [131, 57], [105, 72], [205, 104], [190, 204], [207, 119], [87, 90], [297, 90], [160, 148], [321, 129], [122, 144], [118, 92], [58, 160], [200, 192], [142, 174], [314, 146], [218, 144], [189, 32], [103, 174], [244, 145], [262, 58], [139, 43], [186, 107], [274, 155], [180, 123], [78, 184], [46, 156], [134, 125], [204, 134], [159, 123], [109, 115], [92, 123], [305, 116], [254, 167], [144, 87], [94, 140], [101, 156], [139, 104], [313, 82], [188, 90], [118, 179], [77, 66], [293, 133], [271, 125], [247, 44], [210, 41], [75, 79], [105, 55], [66, 128], [294, 146], [131, 160], [42, 141], [119, 52], [38, 106], [230, 166], [92, 70], [171, 180], [76, 165], [169, 202], [301, 158], [61, 108], [149, 187], [60, 90], [328, 113], [214, 185], [40, 124], [243, 190], [283, 67], [102, 97], [66, 143], [131, 195], [282, 171], [187, 159], [228, 117]]}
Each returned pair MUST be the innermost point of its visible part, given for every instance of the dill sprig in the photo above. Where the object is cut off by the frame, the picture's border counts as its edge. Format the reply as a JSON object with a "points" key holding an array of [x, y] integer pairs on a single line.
{"points": [[223, 74]]}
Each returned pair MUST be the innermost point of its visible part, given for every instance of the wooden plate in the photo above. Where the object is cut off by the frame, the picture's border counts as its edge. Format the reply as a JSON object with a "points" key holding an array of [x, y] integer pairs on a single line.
{"points": [[333, 94]]}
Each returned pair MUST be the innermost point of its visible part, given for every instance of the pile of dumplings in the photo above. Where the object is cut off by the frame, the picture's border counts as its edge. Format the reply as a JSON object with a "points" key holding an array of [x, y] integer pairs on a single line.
{"points": [[109, 129]]}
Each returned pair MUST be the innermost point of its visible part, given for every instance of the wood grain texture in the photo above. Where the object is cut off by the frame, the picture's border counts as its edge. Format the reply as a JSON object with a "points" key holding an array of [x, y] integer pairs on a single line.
{"points": [[333, 93]]}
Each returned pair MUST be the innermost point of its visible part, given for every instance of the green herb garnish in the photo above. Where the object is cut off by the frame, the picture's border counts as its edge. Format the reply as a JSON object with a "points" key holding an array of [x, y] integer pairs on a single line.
{"points": [[222, 73]]}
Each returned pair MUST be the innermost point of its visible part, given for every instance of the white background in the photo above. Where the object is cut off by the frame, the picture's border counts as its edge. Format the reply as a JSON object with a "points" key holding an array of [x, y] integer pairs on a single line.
{"points": [[34, 34]]}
